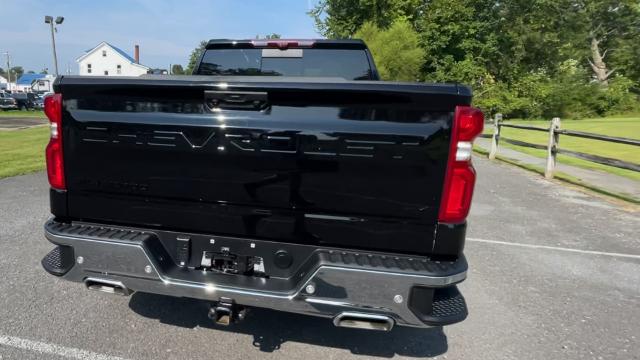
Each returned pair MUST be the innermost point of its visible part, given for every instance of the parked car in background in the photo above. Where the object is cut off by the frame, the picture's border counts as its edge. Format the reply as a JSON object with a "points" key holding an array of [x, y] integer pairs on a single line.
{"points": [[38, 103], [26, 101], [7, 102]]}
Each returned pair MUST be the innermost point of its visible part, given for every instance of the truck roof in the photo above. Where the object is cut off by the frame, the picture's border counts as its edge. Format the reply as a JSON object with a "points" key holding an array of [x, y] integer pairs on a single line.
{"points": [[355, 44]]}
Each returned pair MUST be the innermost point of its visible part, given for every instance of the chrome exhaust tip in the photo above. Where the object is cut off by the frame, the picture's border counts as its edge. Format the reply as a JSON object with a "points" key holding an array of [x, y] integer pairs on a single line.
{"points": [[107, 286], [366, 321]]}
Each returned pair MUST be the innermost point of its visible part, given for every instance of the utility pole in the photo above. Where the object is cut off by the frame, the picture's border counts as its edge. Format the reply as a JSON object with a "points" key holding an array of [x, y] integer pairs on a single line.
{"points": [[58, 21], [8, 71]]}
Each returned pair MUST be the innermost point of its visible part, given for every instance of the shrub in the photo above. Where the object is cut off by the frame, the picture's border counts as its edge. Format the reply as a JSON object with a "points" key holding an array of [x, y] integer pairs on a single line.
{"points": [[396, 51]]}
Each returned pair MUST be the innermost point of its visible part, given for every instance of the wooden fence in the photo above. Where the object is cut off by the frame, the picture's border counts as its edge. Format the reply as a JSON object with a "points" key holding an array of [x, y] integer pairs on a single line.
{"points": [[554, 130]]}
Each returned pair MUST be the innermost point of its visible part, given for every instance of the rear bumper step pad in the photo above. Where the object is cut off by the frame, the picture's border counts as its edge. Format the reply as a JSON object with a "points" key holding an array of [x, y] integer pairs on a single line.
{"points": [[333, 282], [59, 260]]}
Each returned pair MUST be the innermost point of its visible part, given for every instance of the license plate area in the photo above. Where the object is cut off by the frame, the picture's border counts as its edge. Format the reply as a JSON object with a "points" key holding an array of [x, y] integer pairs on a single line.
{"points": [[229, 263]]}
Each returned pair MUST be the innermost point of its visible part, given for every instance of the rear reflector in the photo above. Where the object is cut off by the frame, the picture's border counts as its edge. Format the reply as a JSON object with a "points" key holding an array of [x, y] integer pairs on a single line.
{"points": [[55, 164], [460, 176]]}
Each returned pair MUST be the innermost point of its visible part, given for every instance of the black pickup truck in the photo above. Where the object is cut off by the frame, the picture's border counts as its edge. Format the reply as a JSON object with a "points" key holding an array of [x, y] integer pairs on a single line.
{"points": [[283, 174]]}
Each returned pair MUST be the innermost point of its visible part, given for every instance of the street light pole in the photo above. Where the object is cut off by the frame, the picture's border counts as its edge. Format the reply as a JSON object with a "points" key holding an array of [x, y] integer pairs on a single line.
{"points": [[58, 21], [55, 56]]}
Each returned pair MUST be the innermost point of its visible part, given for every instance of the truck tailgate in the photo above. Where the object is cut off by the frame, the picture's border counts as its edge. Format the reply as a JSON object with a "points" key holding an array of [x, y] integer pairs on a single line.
{"points": [[343, 164]]}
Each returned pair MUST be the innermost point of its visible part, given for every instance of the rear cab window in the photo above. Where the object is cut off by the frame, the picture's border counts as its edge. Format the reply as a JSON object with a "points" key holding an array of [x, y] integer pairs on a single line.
{"points": [[349, 64]]}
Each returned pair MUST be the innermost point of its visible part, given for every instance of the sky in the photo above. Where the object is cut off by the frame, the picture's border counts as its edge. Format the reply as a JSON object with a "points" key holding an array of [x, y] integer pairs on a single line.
{"points": [[166, 30]]}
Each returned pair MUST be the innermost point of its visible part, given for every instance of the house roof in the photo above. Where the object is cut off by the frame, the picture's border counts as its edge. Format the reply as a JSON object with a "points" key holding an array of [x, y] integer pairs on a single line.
{"points": [[27, 79], [114, 48]]}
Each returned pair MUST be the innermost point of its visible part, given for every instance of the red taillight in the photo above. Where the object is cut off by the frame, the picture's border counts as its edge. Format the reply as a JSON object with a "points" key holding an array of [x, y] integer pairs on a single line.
{"points": [[55, 164], [460, 176], [283, 44], [470, 122]]}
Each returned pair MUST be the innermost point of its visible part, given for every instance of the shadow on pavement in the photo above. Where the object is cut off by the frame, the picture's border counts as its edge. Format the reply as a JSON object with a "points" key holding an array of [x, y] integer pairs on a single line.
{"points": [[270, 329]]}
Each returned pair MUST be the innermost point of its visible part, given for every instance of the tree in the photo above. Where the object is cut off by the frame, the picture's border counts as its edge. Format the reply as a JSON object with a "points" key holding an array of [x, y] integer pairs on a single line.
{"points": [[521, 57], [44, 71], [396, 50], [268, 36], [608, 27], [177, 69], [16, 72], [195, 56], [459, 41], [625, 58], [343, 18]]}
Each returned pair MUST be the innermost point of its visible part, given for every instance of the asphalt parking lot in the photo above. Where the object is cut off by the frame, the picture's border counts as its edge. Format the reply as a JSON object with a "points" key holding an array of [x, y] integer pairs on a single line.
{"points": [[554, 274], [20, 122]]}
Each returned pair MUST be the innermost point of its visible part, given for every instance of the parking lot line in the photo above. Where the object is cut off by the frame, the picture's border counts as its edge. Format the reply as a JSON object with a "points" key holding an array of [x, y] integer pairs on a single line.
{"points": [[533, 246], [52, 349]]}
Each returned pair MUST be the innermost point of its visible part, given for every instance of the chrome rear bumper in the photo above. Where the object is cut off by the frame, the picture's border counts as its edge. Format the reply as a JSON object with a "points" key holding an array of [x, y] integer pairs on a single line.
{"points": [[330, 288]]}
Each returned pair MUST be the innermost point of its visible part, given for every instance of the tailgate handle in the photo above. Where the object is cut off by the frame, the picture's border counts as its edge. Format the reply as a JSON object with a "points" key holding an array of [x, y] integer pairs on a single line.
{"points": [[244, 100]]}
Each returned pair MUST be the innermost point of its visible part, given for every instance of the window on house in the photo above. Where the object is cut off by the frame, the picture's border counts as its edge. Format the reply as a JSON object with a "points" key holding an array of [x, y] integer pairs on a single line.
{"points": [[106, 72], [119, 69], [104, 53], [88, 68]]}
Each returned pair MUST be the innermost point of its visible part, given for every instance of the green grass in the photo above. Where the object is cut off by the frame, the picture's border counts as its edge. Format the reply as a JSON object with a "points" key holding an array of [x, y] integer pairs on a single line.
{"points": [[22, 151], [628, 127], [20, 113]]}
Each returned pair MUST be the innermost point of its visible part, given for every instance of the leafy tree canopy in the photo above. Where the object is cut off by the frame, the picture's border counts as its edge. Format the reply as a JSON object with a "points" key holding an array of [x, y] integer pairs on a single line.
{"points": [[269, 36], [195, 56], [396, 50], [176, 69], [521, 57]]}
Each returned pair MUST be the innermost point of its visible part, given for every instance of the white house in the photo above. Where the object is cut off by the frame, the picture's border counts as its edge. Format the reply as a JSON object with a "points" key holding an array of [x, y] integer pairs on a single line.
{"points": [[39, 83], [43, 84], [3, 83], [107, 60]]}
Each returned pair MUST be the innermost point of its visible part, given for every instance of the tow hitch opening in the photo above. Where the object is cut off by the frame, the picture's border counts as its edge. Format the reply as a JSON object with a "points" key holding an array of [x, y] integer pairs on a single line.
{"points": [[226, 312]]}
